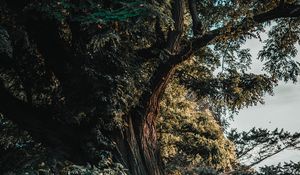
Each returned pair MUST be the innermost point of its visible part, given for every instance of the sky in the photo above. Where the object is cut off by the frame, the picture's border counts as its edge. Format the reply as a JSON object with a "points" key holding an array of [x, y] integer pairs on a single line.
{"points": [[279, 111]]}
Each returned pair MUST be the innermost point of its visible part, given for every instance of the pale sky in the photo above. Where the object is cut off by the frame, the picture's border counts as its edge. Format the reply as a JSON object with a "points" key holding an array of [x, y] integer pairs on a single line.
{"points": [[279, 111]]}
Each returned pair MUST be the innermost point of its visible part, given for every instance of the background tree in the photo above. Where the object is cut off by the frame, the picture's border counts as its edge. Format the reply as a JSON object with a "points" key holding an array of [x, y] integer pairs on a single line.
{"points": [[260, 144], [192, 139], [85, 78], [189, 135]]}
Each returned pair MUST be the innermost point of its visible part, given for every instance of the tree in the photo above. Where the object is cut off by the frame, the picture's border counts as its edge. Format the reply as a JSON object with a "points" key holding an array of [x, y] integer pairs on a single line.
{"points": [[192, 141], [84, 78], [189, 135]]}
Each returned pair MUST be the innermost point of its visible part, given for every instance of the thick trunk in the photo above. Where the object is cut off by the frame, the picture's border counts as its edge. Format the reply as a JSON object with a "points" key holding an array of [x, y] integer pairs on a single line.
{"points": [[138, 144]]}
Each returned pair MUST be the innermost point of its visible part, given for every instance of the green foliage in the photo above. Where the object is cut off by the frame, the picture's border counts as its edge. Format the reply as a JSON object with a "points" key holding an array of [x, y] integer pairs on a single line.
{"points": [[89, 11], [229, 13], [228, 91], [20, 154], [98, 14], [191, 138], [5, 45], [280, 49]]}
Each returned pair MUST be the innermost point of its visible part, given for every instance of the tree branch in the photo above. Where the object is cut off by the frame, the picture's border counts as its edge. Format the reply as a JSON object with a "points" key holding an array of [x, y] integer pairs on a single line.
{"points": [[160, 78], [282, 11], [174, 36], [165, 70], [268, 156], [197, 25], [274, 153]]}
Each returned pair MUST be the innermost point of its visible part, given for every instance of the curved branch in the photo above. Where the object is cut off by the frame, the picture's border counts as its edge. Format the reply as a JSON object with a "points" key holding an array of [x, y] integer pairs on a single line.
{"points": [[195, 44], [282, 11], [290, 145]]}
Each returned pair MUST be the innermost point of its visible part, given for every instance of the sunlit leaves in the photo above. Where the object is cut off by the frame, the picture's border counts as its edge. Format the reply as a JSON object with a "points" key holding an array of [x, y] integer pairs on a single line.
{"points": [[190, 137]]}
